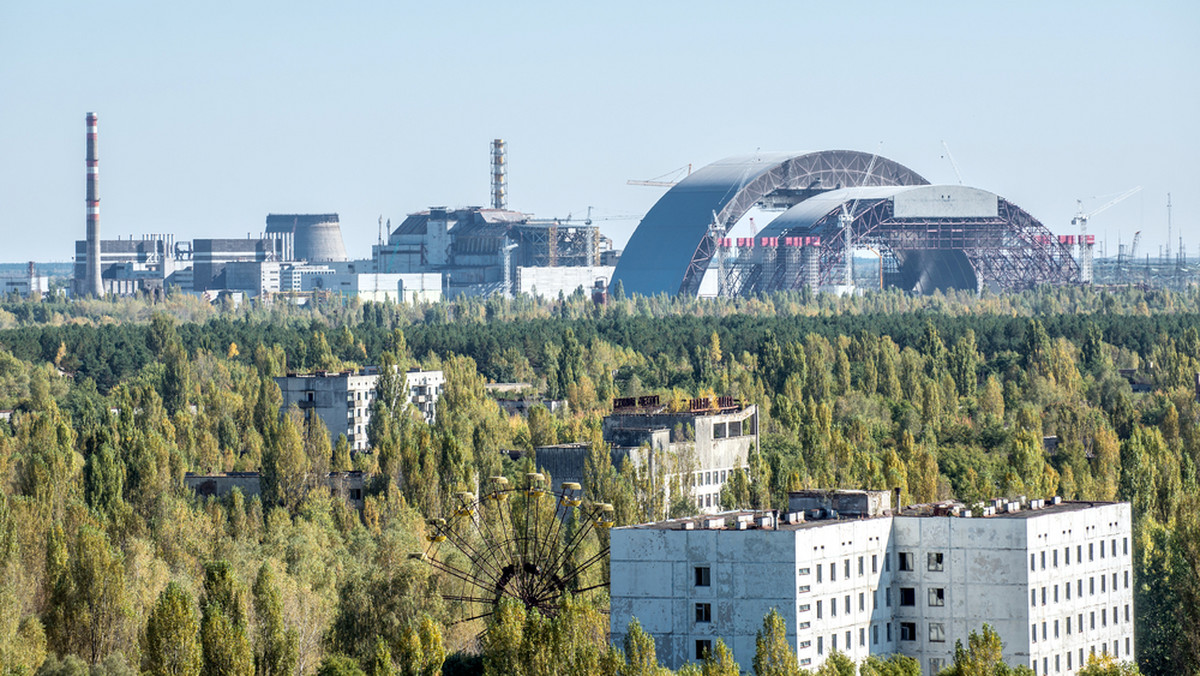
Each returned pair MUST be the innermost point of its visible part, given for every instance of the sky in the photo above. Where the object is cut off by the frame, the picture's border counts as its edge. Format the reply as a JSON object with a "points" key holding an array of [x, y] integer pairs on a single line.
{"points": [[214, 114]]}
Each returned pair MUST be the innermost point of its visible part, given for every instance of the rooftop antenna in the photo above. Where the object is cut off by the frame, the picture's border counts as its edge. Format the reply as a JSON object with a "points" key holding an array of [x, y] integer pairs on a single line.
{"points": [[952, 162]]}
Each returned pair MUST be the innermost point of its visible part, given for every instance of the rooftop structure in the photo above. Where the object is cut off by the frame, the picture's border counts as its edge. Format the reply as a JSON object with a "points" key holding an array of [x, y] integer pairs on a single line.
{"points": [[850, 573]]}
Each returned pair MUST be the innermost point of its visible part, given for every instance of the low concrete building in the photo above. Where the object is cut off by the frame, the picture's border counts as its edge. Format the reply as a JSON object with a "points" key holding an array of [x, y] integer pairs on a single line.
{"points": [[849, 574], [346, 485]]}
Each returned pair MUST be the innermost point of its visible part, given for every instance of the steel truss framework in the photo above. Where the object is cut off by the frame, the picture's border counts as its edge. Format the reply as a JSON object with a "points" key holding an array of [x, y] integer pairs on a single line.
{"points": [[790, 182], [531, 544], [1009, 252]]}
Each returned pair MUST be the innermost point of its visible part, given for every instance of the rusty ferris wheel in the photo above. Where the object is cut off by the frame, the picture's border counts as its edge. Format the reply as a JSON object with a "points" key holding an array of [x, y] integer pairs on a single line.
{"points": [[530, 543]]}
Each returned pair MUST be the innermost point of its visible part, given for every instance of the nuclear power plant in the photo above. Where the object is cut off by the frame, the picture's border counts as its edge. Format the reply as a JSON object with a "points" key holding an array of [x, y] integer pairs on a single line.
{"points": [[820, 212]]}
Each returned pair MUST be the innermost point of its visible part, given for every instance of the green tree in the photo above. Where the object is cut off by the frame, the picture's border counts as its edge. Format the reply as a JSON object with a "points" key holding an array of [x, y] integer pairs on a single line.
{"points": [[720, 662], [773, 656], [640, 653], [223, 635], [172, 642], [339, 665], [275, 649], [837, 664]]}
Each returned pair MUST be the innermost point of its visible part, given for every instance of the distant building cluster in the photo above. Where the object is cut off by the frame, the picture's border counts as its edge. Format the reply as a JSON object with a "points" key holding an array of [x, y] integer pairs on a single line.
{"points": [[849, 573], [471, 251]]}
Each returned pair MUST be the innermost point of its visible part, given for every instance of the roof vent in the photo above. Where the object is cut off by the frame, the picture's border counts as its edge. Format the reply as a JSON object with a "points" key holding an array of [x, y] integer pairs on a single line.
{"points": [[742, 525], [715, 523], [1056, 500], [687, 525], [766, 521], [795, 517]]}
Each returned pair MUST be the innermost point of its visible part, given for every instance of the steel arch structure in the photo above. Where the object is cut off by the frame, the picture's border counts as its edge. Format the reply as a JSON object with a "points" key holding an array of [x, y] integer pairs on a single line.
{"points": [[670, 250], [1009, 251]]}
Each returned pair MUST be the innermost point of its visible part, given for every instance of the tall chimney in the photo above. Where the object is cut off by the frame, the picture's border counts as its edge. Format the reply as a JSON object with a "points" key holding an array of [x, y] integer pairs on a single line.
{"points": [[93, 285], [499, 175]]}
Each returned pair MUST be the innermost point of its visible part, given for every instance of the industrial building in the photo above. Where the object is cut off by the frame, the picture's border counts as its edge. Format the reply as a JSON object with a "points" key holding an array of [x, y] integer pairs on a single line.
{"points": [[29, 285], [849, 573], [343, 399], [483, 251], [829, 205], [701, 446]]}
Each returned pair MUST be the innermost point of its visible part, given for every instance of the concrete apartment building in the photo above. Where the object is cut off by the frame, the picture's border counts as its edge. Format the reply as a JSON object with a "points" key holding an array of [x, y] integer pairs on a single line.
{"points": [[343, 399], [848, 573], [707, 442]]}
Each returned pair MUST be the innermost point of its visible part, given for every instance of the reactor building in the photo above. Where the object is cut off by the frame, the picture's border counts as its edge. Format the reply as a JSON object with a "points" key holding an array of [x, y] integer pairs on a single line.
{"points": [[830, 205]]}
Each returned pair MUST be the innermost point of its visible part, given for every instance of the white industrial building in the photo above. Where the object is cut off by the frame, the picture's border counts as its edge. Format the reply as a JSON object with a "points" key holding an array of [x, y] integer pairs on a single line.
{"points": [[549, 282], [343, 399], [846, 573]]}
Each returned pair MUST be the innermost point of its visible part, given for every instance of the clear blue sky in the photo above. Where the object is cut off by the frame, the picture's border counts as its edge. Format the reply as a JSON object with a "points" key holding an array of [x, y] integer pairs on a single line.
{"points": [[213, 114]]}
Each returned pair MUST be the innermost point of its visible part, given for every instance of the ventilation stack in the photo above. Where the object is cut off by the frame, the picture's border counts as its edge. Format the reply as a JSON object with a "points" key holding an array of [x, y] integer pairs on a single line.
{"points": [[92, 283], [499, 175]]}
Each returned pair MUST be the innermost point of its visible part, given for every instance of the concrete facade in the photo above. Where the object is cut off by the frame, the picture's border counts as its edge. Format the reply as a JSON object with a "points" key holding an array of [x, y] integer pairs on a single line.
{"points": [[910, 583], [343, 400], [550, 282]]}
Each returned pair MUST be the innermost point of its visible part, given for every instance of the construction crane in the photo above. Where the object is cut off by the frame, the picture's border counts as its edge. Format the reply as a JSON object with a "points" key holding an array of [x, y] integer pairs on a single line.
{"points": [[667, 180], [952, 162], [1081, 220]]}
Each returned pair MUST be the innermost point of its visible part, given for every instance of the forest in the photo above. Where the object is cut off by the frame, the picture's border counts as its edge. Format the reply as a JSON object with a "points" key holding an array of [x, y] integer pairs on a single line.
{"points": [[110, 565]]}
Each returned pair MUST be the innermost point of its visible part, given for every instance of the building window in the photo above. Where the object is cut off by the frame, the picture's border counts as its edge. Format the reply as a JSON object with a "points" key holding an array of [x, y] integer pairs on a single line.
{"points": [[937, 632], [804, 607], [1057, 663], [862, 602], [805, 571], [1068, 625], [1127, 579], [874, 563], [704, 612], [703, 648], [805, 644], [1055, 561], [888, 627], [1067, 586], [804, 625], [1093, 619], [1056, 629], [1079, 553], [846, 570], [935, 561], [832, 572], [833, 607], [820, 645], [703, 578], [908, 596], [804, 589], [1043, 560], [847, 640], [937, 596], [1056, 593], [862, 566], [1103, 583], [819, 615], [887, 598], [1033, 630], [874, 634], [1032, 598], [819, 569], [1091, 551], [862, 636], [1067, 554], [906, 561], [1104, 617], [908, 631], [887, 564], [833, 642], [936, 664], [1114, 582], [1091, 586], [1043, 596], [805, 661], [1125, 550], [1126, 612], [1079, 587]]}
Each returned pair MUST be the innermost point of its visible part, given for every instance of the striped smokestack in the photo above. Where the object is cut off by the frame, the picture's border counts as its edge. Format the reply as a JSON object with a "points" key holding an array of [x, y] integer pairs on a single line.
{"points": [[93, 285]]}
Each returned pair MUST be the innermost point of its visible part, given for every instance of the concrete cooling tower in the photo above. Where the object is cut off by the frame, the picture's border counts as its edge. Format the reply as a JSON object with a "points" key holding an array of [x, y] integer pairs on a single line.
{"points": [[317, 238]]}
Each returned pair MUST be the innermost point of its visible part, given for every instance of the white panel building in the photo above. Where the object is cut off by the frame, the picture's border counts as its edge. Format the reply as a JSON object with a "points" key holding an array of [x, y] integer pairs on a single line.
{"points": [[343, 399], [1054, 580]]}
